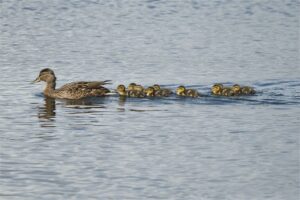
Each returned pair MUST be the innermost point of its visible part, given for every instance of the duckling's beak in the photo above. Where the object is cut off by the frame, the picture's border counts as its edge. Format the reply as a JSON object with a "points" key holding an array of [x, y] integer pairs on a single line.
{"points": [[36, 80]]}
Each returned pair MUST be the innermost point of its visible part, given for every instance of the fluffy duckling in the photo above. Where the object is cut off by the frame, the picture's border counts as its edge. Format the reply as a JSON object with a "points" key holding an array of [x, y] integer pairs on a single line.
{"points": [[248, 90], [150, 92], [161, 92], [131, 86], [135, 87], [227, 91], [138, 88], [182, 91], [191, 93], [121, 89], [236, 89], [156, 87], [216, 89], [136, 94]]}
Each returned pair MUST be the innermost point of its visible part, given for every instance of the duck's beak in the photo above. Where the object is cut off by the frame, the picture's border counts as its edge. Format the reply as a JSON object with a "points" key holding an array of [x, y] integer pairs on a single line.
{"points": [[36, 80]]}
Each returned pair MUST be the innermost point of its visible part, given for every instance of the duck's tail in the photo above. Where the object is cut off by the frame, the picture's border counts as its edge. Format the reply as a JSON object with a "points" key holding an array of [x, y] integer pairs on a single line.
{"points": [[106, 82]]}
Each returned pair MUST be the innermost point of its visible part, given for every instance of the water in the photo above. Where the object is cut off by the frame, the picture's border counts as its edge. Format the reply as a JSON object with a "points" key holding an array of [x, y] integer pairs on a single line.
{"points": [[170, 148]]}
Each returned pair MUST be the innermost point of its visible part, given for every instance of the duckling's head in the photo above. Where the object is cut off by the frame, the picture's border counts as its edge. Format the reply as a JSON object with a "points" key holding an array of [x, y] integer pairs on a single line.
{"points": [[217, 88], [121, 89], [150, 91], [46, 75], [156, 87], [180, 90], [236, 88], [131, 86]]}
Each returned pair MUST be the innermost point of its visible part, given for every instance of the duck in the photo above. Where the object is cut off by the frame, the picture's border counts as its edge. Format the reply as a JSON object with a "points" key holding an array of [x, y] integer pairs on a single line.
{"points": [[236, 89], [131, 86], [138, 88], [246, 90], [156, 87], [150, 92], [192, 93], [182, 91], [216, 89], [135, 87], [161, 92], [73, 90], [121, 90], [227, 91], [136, 94]]}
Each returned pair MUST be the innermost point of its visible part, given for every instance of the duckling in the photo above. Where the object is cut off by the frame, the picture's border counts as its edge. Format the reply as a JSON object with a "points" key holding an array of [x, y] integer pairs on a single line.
{"points": [[121, 89], [216, 89], [150, 92], [161, 92], [156, 87], [131, 86], [131, 93], [138, 88], [227, 91], [74, 90], [248, 90], [236, 89], [180, 91], [136, 94], [192, 93]]}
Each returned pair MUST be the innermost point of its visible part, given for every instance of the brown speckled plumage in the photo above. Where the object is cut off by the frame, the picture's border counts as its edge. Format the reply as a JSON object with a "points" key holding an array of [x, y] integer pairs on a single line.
{"points": [[74, 90]]}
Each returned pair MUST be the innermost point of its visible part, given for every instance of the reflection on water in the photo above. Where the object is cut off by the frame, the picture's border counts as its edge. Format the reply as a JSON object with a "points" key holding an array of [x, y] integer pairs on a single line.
{"points": [[122, 100], [151, 148], [47, 111]]}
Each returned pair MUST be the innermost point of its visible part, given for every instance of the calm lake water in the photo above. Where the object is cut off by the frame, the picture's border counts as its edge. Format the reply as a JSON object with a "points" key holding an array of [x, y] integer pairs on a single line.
{"points": [[168, 148]]}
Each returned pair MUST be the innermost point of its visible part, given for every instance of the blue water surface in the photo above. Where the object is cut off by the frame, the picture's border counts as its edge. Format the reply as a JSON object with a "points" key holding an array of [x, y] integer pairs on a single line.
{"points": [[153, 148]]}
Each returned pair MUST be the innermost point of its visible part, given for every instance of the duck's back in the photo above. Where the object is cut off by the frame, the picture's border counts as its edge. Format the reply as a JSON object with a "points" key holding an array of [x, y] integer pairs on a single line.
{"points": [[82, 89]]}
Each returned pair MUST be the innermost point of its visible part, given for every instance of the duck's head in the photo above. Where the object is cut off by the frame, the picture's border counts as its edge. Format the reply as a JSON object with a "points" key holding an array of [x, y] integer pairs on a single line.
{"points": [[46, 75], [180, 90], [217, 88], [236, 89], [121, 88], [150, 91], [131, 86], [156, 87]]}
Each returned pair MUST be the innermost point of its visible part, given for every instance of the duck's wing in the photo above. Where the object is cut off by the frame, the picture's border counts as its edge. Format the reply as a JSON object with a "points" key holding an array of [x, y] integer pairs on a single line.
{"points": [[85, 85]]}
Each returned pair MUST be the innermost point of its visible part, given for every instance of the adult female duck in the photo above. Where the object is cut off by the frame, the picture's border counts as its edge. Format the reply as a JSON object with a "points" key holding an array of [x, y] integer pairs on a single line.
{"points": [[74, 90]]}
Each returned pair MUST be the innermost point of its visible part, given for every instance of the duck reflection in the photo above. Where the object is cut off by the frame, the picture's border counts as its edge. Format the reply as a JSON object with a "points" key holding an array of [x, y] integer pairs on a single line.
{"points": [[85, 103], [122, 100], [47, 111]]}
